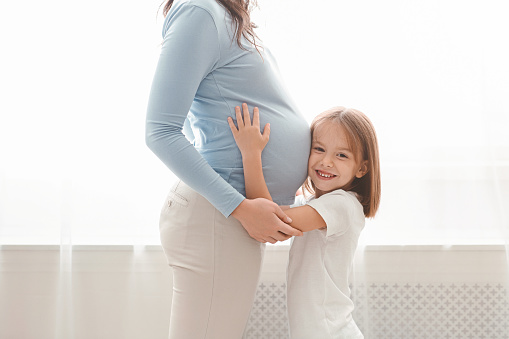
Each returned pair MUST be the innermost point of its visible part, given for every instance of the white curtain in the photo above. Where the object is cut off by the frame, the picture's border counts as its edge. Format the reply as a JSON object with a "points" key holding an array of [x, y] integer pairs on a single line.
{"points": [[433, 76]]}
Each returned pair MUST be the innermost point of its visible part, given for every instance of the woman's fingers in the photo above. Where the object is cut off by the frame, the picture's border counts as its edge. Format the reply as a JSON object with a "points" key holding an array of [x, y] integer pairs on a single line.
{"points": [[281, 236], [285, 228], [290, 231]]}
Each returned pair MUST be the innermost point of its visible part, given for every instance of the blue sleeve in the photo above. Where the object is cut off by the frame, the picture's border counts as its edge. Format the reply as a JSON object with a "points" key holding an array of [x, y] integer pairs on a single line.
{"points": [[188, 131], [190, 50]]}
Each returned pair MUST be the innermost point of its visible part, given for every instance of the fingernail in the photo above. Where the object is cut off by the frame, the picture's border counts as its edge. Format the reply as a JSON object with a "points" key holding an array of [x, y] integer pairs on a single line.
{"points": [[288, 219]]}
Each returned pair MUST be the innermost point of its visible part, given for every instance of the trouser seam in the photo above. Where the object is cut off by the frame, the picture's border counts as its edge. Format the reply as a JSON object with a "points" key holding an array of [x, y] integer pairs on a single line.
{"points": [[213, 270]]}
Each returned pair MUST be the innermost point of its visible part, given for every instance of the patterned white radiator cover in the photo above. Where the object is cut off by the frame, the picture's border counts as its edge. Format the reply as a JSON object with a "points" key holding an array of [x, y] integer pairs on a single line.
{"points": [[401, 311]]}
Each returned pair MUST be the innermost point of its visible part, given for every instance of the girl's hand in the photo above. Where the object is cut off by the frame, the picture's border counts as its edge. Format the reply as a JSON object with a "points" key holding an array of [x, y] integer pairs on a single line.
{"points": [[247, 136]]}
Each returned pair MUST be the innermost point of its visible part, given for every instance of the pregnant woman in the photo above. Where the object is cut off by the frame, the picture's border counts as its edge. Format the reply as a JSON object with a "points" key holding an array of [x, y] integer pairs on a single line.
{"points": [[213, 237]]}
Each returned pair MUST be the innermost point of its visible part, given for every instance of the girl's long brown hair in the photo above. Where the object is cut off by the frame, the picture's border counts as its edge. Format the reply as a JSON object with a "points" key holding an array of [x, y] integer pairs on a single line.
{"points": [[363, 141], [239, 11]]}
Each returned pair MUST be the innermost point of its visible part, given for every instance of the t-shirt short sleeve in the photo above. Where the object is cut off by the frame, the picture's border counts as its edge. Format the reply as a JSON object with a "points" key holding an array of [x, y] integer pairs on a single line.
{"points": [[338, 210], [300, 200]]}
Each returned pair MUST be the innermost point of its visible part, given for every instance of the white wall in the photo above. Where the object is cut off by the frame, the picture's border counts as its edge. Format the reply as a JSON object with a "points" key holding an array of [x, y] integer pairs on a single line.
{"points": [[124, 292]]}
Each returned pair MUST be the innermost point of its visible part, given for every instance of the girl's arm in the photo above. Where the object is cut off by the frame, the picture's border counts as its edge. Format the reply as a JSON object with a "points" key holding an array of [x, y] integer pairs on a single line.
{"points": [[251, 143]]}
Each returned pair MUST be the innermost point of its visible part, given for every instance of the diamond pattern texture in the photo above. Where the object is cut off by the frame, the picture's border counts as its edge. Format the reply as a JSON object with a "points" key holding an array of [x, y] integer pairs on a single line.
{"points": [[401, 311]]}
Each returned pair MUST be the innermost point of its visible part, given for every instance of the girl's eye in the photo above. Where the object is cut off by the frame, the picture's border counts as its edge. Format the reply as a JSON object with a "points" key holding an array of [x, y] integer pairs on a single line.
{"points": [[341, 155], [319, 149]]}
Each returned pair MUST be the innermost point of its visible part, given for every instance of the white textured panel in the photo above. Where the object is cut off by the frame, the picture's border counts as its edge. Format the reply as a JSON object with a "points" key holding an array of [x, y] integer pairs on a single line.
{"points": [[268, 317], [401, 311]]}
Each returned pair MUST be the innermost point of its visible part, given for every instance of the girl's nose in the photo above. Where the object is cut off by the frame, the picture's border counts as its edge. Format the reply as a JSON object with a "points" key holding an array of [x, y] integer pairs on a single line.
{"points": [[327, 161]]}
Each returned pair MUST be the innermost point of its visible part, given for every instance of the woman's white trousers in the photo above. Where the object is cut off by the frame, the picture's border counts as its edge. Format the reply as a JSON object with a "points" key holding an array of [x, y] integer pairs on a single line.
{"points": [[216, 267]]}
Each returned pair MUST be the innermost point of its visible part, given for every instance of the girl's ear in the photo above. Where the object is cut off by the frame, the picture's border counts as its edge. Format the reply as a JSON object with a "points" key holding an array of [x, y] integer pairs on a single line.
{"points": [[363, 169]]}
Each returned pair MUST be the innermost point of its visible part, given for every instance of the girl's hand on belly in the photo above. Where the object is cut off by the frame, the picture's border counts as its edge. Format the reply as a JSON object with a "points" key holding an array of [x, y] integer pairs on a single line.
{"points": [[248, 137]]}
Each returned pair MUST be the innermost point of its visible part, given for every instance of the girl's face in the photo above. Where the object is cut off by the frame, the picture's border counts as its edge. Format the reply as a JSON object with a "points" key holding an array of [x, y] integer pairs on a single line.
{"points": [[332, 163]]}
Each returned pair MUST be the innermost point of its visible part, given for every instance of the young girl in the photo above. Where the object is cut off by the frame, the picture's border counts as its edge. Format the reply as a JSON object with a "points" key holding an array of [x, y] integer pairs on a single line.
{"points": [[344, 176]]}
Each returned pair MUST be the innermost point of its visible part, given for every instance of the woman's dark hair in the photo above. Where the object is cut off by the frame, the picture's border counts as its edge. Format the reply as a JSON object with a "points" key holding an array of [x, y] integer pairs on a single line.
{"points": [[239, 11]]}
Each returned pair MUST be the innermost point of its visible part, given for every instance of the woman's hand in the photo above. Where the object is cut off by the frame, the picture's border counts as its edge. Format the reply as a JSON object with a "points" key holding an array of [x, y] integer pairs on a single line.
{"points": [[247, 136], [263, 220]]}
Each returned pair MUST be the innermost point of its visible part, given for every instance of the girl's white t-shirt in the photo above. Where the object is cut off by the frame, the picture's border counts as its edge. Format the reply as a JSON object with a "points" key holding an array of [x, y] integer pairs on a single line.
{"points": [[319, 269]]}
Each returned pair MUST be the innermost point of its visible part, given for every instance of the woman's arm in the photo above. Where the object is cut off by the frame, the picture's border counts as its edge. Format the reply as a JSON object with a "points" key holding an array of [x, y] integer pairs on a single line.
{"points": [[190, 50], [182, 66], [251, 143]]}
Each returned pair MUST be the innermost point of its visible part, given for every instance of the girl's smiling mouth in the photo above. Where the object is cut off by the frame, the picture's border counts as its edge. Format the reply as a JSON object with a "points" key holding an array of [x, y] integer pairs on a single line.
{"points": [[324, 175]]}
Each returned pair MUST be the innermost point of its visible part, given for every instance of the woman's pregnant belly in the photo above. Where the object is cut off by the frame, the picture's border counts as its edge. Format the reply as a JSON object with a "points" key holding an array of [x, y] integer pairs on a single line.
{"points": [[284, 159]]}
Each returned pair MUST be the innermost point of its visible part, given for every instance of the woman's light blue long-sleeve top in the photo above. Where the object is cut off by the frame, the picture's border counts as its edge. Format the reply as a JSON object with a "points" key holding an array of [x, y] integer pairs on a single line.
{"points": [[202, 74]]}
